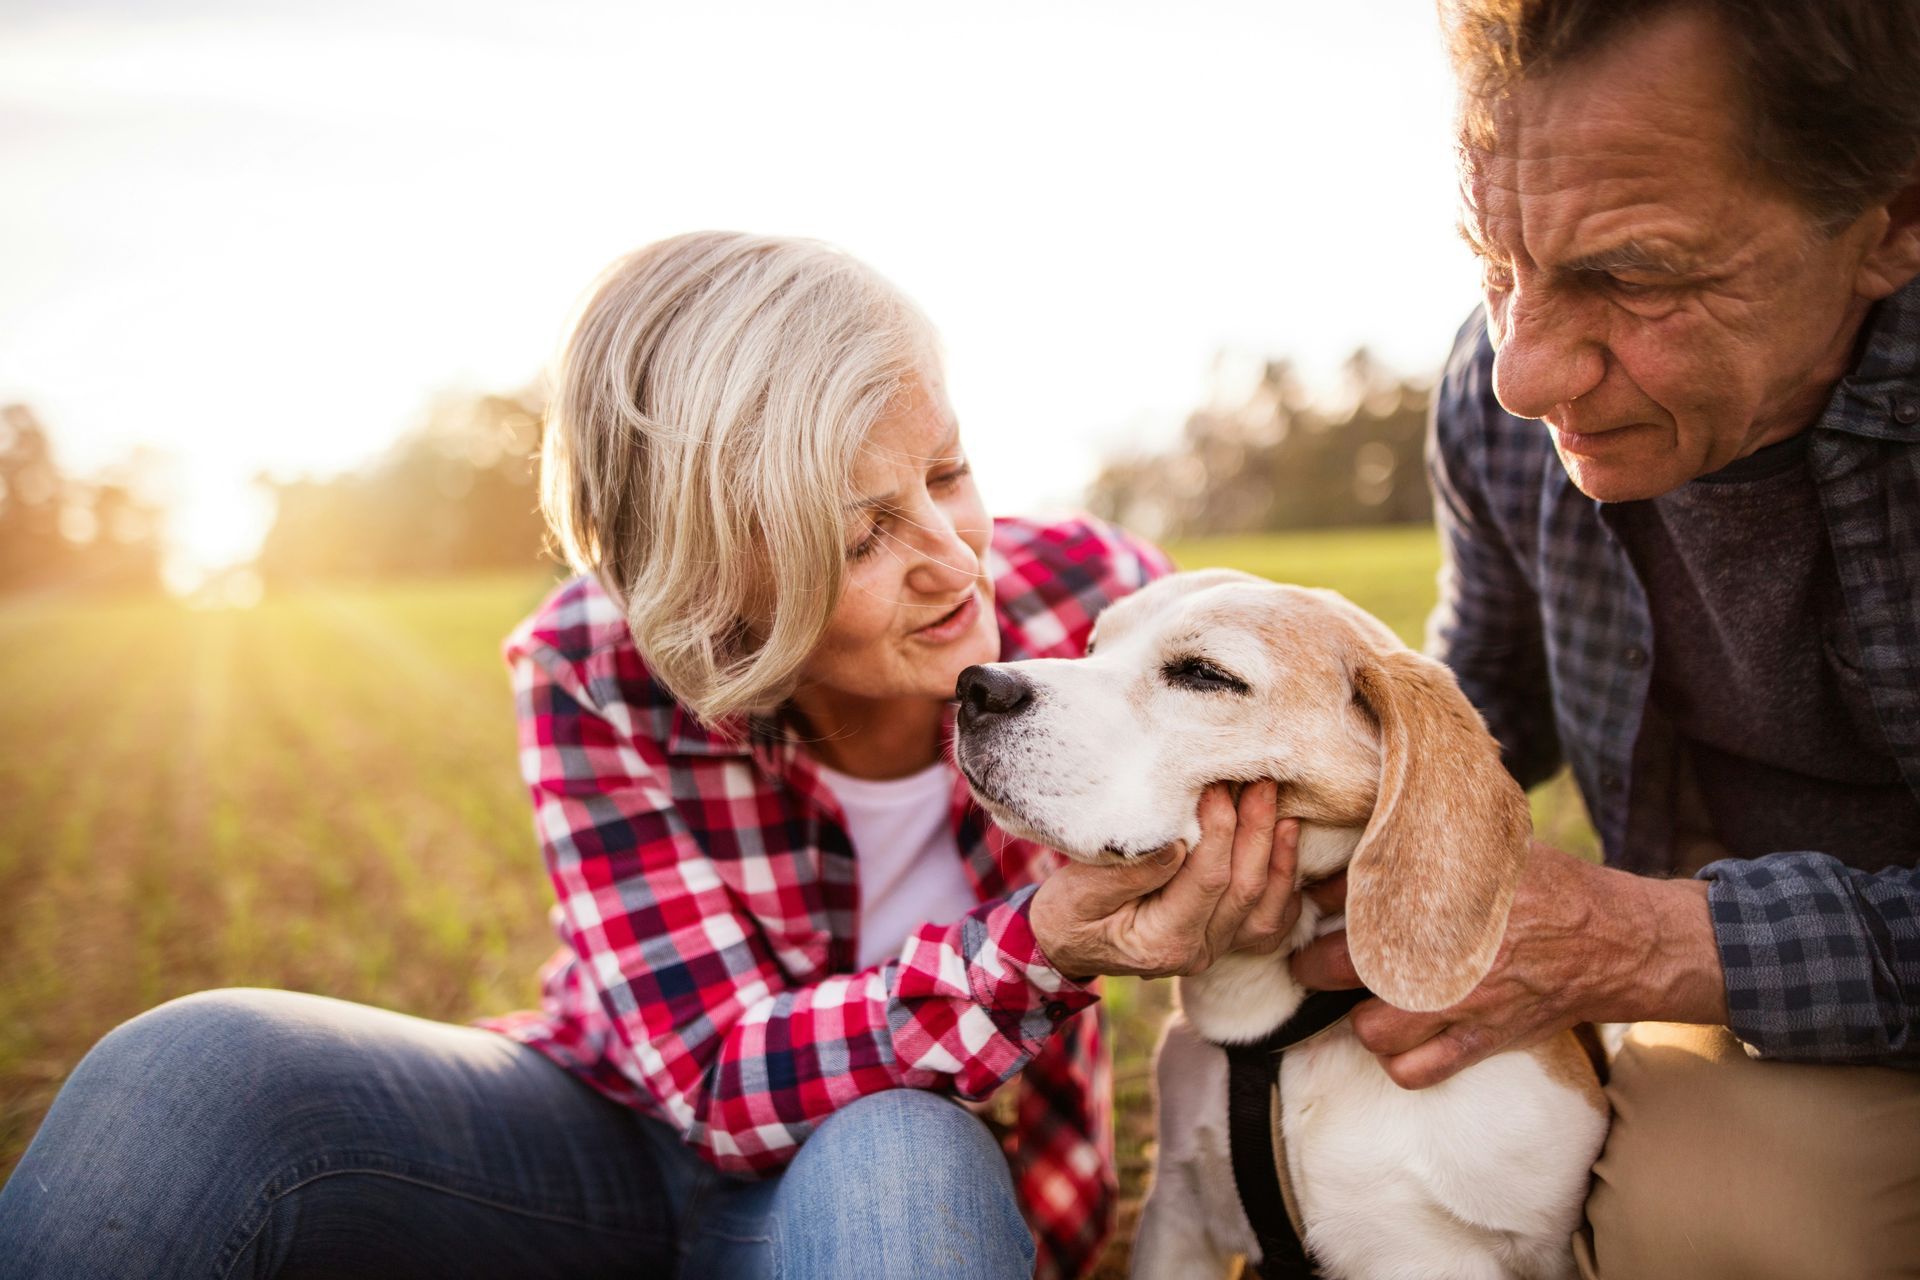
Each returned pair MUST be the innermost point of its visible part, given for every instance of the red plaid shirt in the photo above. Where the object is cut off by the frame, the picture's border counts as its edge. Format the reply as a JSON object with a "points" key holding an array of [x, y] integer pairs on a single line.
{"points": [[708, 899]]}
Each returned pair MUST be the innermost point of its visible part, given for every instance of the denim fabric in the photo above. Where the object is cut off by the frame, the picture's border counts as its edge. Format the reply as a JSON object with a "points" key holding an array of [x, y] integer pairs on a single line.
{"points": [[270, 1133]]}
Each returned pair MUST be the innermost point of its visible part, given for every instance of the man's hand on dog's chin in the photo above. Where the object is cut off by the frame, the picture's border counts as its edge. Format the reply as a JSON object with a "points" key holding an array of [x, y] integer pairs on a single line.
{"points": [[1584, 943], [1177, 911]]}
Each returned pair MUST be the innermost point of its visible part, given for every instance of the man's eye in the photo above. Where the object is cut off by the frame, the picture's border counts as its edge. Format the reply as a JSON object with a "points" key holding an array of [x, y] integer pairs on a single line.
{"points": [[1200, 675], [1495, 278], [1635, 288]]}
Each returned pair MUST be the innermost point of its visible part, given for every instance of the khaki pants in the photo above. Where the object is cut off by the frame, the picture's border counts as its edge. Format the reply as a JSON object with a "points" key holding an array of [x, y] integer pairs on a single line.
{"points": [[1719, 1167]]}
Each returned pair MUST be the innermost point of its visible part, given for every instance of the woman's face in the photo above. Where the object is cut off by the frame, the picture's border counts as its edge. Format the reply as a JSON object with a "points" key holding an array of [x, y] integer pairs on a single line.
{"points": [[916, 604]]}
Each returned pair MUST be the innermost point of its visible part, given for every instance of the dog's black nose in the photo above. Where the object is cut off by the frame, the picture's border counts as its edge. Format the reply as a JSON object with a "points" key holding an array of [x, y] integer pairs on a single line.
{"points": [[986, 692]]}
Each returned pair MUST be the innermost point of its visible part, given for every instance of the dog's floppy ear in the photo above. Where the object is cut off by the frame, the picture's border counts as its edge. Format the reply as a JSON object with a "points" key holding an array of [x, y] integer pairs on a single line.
{"points": [[1434, 873]]}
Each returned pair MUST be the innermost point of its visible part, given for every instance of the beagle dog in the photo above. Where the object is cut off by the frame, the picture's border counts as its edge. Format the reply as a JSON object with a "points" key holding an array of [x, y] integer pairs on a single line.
{"points": [[1221, 676]]}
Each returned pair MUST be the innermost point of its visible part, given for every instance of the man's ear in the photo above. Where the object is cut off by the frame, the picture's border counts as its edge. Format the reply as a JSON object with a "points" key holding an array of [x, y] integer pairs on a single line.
{"points": [[1893, 260]]}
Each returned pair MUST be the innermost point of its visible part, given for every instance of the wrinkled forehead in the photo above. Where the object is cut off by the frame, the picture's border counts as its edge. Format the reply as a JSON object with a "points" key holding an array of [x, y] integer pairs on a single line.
{"points": [[1655, 113]]}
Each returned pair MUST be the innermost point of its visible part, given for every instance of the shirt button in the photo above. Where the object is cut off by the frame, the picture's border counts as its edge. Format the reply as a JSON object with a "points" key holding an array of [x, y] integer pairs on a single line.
{"points": [[1635, 656], [1056, 1010], [1906, 412]]}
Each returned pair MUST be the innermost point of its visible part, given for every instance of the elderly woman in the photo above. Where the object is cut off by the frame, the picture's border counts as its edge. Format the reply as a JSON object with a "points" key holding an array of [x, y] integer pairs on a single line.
{"points": [[789, 945]]}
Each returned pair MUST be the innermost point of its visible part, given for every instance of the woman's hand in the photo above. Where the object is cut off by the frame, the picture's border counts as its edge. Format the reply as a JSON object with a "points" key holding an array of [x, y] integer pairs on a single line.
{"points": [[1178, 910]]}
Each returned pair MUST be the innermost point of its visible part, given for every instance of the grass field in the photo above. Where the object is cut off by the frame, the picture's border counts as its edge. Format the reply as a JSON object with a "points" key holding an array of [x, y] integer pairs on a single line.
{"points": [[320, 793]]}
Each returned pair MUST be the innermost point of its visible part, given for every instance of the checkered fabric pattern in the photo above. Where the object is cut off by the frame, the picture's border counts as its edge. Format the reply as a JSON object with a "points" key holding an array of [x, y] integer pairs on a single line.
{"points": [[1544, 621], [708, 897]]}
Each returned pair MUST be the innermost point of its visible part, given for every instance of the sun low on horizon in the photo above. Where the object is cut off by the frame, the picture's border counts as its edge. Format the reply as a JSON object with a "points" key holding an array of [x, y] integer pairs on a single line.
{"points": [[253, 242]]}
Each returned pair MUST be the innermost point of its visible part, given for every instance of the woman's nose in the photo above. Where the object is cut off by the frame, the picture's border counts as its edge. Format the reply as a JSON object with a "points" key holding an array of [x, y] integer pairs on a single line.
{"points": [[942, 560], [1543, 357]]}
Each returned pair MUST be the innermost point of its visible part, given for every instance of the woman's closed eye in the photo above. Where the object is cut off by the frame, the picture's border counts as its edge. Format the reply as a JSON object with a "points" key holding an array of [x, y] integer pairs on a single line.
{"points": [[940, 485], [949, 480], [866, 546]]}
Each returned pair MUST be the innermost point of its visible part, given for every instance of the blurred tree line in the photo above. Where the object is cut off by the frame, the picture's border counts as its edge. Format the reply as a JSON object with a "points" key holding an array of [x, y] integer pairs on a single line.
{"points": [[1276, 458], [459, 493], [98, 533]]}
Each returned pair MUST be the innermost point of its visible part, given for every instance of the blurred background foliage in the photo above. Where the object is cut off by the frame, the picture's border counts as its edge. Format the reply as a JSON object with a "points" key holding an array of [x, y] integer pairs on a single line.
{"points": [[98, 533], [458, 493], [1273, 457]]}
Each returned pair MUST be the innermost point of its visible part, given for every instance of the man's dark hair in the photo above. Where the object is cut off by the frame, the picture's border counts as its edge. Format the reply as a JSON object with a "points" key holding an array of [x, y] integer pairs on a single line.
{"points": [[1833, 85]]}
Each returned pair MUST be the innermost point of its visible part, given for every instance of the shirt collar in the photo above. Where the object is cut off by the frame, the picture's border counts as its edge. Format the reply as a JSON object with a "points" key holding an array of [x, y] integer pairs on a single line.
{"points": [[728, 736], [764, 738], [1881, 396]]}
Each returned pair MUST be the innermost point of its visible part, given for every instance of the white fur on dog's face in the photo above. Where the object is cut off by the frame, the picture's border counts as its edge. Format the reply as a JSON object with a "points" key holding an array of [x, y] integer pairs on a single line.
{"points": [[1200, 678], [1218, 676]]}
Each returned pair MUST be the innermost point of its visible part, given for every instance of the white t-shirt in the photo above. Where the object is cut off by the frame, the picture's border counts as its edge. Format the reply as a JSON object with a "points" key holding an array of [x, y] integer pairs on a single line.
{"points": [[910, 871]]}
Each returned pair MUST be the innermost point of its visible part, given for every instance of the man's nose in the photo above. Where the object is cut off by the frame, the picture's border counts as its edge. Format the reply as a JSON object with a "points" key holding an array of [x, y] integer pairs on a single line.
{"points": [[1544, 354], [989, 693]]}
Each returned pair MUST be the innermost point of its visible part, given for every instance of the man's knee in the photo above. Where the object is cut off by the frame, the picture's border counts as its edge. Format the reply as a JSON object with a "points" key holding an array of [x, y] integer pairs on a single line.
{"points": [[1719, 1165]]}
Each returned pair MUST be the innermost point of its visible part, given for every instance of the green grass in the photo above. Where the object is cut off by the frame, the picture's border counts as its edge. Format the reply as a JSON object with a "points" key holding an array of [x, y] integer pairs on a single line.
{"points": [[320, 793]]}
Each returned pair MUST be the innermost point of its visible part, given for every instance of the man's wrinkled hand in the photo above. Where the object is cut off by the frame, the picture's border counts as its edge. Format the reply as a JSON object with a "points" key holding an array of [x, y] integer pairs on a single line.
{"points": [[1583, 944]]}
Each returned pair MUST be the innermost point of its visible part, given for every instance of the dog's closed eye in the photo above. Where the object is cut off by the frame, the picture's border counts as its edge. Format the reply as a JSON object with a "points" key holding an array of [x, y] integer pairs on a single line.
{"points": [[1201, 676]]}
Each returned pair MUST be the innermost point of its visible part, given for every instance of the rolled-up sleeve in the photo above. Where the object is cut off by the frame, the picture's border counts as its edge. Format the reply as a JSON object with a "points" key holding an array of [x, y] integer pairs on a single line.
{"points": [[1822, 961]]}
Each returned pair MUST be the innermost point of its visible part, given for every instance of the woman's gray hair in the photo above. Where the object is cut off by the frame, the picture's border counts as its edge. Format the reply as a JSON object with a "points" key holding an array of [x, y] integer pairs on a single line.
{"points": [[698, 457]]}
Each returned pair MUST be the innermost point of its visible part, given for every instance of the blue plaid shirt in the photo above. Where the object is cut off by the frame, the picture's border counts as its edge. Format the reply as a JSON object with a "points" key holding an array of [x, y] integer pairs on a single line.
{"points": [[1544, 621]]}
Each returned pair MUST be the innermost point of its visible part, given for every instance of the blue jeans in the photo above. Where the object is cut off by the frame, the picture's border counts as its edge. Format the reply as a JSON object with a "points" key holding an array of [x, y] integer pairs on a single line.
{"points": [[269, 1133]]}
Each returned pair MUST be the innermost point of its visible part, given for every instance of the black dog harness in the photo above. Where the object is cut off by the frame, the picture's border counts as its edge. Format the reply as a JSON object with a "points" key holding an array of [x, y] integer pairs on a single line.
{"points": [[1253, 1081]]}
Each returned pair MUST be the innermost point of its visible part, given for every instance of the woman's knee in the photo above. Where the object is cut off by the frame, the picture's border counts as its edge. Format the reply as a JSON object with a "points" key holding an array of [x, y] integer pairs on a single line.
{"points": [[217, 1071], [906, 1133], [902, 1182], [206, 1038], [157, 1142]]}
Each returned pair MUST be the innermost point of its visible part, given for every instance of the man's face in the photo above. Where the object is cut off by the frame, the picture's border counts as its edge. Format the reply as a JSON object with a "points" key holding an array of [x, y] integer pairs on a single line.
{"points": [[1653, 300]]}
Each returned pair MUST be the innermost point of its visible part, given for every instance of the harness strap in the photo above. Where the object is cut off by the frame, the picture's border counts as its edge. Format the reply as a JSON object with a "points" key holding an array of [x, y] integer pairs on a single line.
{"points": [[1253, 1079]]}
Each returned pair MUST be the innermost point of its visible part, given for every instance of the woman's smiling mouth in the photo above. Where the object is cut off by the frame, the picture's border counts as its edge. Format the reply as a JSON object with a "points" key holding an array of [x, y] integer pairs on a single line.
{"points": [[957, 621]]}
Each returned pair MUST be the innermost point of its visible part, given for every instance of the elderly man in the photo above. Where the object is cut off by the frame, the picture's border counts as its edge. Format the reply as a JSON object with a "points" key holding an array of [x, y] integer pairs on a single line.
{"points": [[1677, 457]]}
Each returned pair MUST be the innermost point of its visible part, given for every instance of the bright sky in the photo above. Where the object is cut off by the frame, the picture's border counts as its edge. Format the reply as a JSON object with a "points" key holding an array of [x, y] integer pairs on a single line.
{"points": [[261, 236]]}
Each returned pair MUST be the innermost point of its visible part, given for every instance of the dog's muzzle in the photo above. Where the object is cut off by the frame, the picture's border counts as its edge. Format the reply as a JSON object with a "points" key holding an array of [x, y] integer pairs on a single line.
{"points": [[990, 694]]}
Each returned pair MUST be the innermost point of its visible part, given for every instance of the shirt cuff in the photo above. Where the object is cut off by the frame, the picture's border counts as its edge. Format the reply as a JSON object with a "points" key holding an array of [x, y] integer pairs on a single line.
{"points": [[1011, 977], [1802, 978]]}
